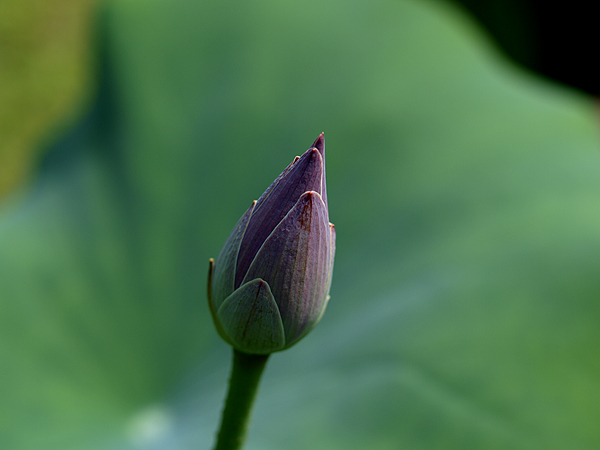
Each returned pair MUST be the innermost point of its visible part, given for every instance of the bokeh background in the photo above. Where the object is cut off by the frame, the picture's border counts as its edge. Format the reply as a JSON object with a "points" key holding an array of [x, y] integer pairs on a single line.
{"points": [[462, 179]]}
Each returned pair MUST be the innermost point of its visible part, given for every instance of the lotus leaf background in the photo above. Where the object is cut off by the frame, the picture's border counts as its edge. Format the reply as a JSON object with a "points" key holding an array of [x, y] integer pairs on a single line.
{"points": [[465, 193]]}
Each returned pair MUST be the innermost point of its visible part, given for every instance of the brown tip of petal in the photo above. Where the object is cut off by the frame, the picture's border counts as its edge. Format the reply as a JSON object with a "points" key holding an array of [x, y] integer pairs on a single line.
{"points": [[314, 152], [260, 285], [312, 195]]}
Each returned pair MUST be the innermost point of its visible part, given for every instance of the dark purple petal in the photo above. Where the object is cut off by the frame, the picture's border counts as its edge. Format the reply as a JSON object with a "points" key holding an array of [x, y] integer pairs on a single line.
{"points": [[304, 175], [295, 262], [268, 191], [328, 285]]}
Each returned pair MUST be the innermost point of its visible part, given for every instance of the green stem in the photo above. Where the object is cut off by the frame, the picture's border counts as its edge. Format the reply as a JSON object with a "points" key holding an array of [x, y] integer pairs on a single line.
{"points": [[246, 371]]}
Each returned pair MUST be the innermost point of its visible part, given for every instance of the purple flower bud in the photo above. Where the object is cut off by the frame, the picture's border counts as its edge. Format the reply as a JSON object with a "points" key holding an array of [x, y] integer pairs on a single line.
{"points": [[270, 284]]}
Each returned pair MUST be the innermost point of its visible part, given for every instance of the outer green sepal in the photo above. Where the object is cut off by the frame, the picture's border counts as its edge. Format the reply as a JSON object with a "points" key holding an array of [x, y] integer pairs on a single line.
{"points": [[225, 266], [250, 319], [211, 305]]}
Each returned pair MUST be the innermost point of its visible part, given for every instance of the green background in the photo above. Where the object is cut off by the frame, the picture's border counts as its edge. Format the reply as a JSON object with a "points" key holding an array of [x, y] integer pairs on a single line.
{"points": [[464, 310]]}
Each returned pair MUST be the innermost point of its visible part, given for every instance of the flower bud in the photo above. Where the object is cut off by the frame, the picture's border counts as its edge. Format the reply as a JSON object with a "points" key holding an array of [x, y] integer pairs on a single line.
{"points": [[270, 284]]}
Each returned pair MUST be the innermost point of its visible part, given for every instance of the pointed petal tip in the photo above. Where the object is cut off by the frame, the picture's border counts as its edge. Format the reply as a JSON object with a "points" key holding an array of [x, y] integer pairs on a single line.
{"points": [[314, 164], [319, 143]]}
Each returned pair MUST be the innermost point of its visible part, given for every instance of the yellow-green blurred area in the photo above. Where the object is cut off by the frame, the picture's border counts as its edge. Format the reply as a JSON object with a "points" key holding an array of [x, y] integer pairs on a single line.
{"points": [[464, 305], [45, 71]]}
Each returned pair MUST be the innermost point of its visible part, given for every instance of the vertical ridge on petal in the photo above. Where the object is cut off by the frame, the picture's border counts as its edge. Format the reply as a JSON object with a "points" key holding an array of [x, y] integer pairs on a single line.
{"points": [[306, 174], [295, 261]]}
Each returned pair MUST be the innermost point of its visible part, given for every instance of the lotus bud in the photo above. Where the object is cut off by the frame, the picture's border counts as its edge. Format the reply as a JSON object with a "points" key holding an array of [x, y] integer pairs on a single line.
{"points": [[270, 283]]}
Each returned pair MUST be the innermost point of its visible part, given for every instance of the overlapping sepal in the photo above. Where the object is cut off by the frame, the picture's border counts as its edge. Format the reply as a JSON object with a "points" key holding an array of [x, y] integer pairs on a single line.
{"points": [[251, 320]]}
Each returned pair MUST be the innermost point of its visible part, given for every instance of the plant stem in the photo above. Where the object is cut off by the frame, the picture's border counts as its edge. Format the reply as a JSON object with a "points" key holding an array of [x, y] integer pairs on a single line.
{"points": [[246, 371]]}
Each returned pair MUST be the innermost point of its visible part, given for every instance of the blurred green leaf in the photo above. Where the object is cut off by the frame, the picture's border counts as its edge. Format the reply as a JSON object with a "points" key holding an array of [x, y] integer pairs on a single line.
{"points": [[464, 304]]}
